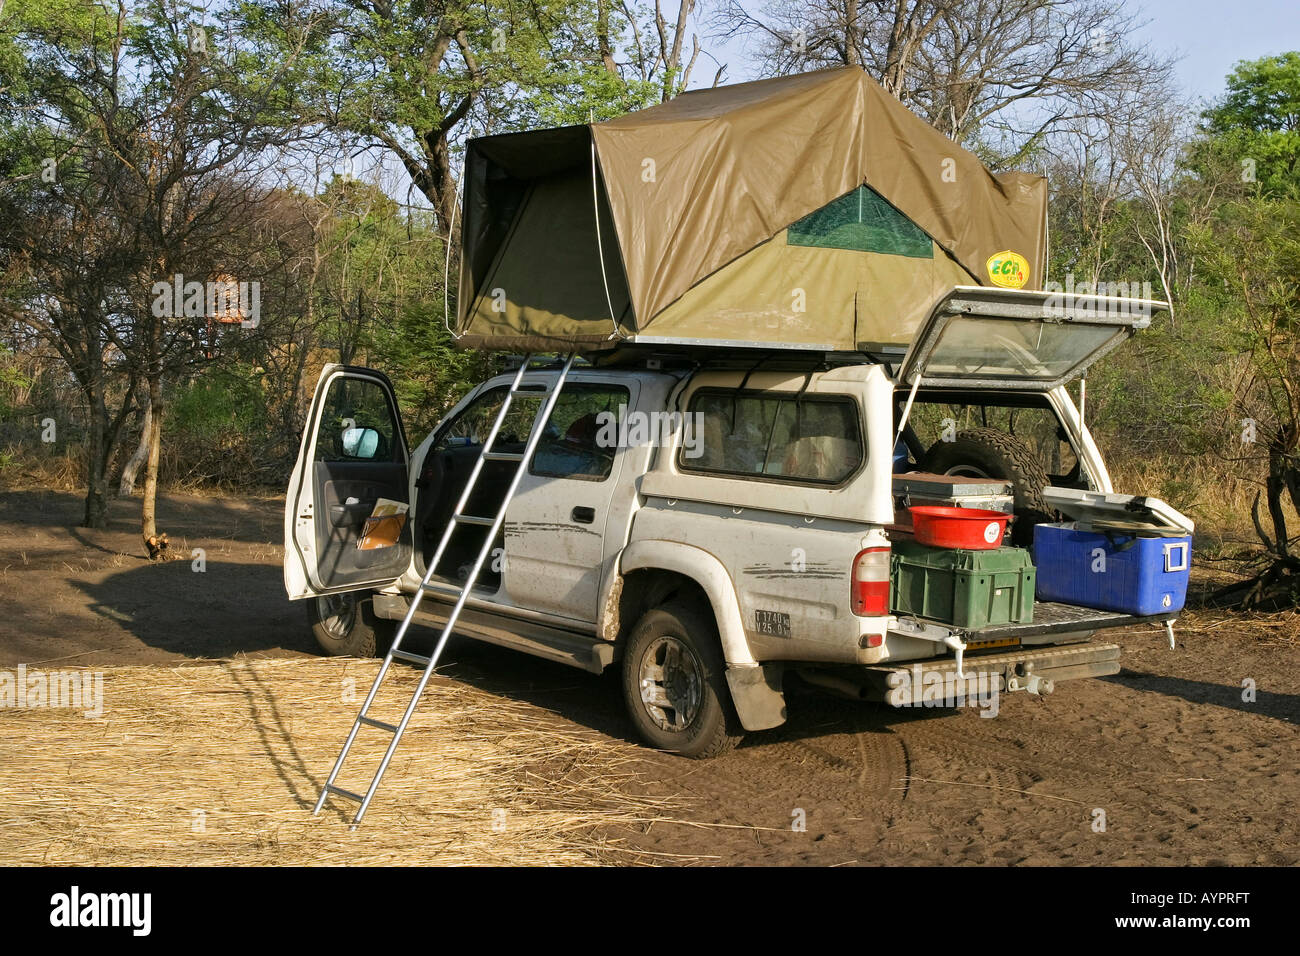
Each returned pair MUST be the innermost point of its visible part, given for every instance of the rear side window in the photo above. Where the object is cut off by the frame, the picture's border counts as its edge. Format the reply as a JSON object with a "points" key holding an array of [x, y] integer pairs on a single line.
{"points": [[757, 434]]}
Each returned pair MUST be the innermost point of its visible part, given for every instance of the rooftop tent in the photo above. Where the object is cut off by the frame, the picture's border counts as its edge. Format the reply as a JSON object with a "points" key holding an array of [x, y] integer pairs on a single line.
{"points": [[807, 210]]}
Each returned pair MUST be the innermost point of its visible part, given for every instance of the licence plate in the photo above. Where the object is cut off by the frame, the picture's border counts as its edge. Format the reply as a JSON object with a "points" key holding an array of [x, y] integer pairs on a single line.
{"points": [[993, 642]]}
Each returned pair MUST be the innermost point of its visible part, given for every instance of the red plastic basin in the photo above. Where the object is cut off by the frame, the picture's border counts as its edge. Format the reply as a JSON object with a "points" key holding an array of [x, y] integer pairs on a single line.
{"points": [[973, 529]]}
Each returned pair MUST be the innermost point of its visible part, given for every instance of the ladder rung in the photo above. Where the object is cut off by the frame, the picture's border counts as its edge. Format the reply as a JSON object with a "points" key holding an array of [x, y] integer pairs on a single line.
{"points": [[410, 658], [502, 456], [345, 793], [531, 392], [476, 519], [371, 722]]}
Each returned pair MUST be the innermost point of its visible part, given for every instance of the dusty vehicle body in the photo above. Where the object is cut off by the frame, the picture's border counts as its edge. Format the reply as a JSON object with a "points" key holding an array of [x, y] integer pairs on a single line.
{"points": [[705, 578]]}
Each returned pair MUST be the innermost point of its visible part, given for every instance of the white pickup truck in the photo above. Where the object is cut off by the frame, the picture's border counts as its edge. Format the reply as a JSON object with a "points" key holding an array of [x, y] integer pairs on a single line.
{"points": [[708, 560]]}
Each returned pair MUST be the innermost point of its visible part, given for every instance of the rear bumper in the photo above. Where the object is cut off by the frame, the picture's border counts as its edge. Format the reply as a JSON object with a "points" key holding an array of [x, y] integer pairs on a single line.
{"points": [[904, 684]]}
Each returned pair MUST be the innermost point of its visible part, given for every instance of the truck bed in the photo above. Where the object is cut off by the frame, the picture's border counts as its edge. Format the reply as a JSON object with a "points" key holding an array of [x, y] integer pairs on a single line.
{"points": [[1053, 618]]}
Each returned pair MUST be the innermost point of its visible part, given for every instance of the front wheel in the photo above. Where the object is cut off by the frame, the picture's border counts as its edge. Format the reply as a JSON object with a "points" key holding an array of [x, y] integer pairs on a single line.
{"points": [[345, 625], [675, 685]]}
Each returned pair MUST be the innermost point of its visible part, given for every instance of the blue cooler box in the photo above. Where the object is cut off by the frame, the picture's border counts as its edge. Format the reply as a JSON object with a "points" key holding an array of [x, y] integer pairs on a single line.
{"points": [[1143, 575]]}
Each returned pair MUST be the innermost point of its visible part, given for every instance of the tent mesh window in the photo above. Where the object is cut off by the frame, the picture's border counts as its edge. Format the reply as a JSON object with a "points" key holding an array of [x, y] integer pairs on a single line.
{"points": [[861, 221]]}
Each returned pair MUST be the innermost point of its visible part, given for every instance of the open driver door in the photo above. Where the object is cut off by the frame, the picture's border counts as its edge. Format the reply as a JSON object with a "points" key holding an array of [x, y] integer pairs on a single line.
{"points": [[346, 520]]}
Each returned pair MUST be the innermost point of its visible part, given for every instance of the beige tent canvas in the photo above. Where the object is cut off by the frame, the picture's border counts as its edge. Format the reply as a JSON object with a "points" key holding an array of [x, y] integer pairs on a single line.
{"points": [[811, 210]]}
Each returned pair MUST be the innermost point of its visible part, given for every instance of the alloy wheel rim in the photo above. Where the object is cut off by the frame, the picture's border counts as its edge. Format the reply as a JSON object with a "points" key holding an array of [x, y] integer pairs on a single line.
{"points": [[337, 613], [672, 684]]}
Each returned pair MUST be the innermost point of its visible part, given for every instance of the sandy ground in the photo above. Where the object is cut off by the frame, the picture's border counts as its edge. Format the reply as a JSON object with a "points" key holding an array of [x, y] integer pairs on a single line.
{"points": [[1167, 754]]}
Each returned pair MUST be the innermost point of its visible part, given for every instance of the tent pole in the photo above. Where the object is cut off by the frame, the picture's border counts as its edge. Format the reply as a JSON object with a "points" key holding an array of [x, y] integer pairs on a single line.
{"points": [[600, 248], [1047, 236], [446, 271]]}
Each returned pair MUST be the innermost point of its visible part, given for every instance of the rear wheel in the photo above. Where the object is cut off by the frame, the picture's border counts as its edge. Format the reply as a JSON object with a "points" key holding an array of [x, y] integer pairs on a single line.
{"points": [[675, 685], [345, 625]]}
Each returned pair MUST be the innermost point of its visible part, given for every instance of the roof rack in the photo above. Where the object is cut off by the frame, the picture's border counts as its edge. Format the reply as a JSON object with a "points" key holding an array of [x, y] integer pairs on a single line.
{"points": [[685, 353], [535, 364]]}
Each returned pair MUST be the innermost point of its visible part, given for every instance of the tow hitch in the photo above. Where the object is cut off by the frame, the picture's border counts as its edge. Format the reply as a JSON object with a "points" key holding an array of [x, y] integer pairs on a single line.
{"points": [[1030, 682]]}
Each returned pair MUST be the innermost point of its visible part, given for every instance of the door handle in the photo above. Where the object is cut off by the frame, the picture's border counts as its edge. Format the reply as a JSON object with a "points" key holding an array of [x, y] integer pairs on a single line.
{"points": [[583, 515]]}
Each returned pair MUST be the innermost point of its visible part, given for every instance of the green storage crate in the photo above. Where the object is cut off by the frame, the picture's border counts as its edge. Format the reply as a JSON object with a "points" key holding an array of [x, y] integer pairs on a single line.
{"points": [[968, 589]]}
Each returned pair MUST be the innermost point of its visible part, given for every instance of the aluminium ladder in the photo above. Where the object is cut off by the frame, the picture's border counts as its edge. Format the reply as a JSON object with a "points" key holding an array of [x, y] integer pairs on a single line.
{"points": [[458, 517]]}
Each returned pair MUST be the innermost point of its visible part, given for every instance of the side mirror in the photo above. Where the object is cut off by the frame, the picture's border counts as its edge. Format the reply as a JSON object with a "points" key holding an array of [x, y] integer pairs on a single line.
{"points": [[360, 442]]}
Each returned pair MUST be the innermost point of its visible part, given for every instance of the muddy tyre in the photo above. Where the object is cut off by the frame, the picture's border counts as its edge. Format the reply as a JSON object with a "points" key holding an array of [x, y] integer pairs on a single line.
{"points": [[675, 685], [345, 625], [989, 453]]}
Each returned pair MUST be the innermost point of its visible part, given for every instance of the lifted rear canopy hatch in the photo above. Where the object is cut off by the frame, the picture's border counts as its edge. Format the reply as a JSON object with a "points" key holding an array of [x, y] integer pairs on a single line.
{"points": [[979, 337]]}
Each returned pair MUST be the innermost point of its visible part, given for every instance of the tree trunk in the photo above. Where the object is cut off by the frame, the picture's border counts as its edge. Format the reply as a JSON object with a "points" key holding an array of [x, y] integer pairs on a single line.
{"points": [[148, 508], [602, 37], [154, 543], [1281, 479], [126, 488], [96, 513], [93, 386], [444, 185]]}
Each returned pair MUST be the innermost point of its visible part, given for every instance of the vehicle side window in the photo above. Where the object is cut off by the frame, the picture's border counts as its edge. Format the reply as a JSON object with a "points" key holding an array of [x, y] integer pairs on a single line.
{"points": [[571, 444], [812, 439], [474, 423], [357, 423], [580, 439]]}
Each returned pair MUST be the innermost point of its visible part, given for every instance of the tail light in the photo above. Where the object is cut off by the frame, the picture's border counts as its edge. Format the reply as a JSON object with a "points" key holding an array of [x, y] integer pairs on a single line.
{"points": [[871, 583]]}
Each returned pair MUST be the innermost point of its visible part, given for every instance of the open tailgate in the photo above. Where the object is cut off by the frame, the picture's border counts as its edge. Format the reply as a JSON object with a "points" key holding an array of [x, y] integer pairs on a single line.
{"points": [[1019, 339]]}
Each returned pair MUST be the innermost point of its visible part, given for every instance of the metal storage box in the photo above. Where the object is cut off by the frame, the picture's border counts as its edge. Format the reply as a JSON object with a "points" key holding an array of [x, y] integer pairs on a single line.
{"points": [[967, 589], [955, 491]]}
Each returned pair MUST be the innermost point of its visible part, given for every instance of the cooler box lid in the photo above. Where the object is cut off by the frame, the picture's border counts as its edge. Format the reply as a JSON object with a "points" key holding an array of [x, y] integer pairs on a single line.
{"points": [[1130, 514]]}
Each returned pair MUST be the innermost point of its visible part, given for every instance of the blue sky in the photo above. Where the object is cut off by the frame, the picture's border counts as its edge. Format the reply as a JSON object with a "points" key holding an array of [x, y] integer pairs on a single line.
{"points": [[1212, 35]]}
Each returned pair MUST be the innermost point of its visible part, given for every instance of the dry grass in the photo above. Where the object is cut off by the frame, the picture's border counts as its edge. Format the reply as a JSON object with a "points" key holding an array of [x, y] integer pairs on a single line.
{"points": [[1265, 628], [22, 470], [1215, 495], [220, 764]]}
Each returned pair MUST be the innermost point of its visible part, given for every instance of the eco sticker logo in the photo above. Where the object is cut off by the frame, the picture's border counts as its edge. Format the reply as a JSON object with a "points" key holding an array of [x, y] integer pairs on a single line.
{"points": [[1008, 269]]}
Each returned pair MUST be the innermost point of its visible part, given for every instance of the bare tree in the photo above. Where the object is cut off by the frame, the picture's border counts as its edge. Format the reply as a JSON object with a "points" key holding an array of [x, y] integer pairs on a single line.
{"points": [[1014, 70], [1150, 141], [655, 49]]}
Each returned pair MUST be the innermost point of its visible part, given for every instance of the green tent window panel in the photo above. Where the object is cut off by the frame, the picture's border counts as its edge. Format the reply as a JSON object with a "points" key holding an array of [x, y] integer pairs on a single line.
{"points": [[864, 222]]}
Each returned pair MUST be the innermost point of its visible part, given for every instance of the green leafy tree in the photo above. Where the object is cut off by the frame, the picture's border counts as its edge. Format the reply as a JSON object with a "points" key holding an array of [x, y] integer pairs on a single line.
{"points": [[416, 77], [140, 129], [1257, 124]]}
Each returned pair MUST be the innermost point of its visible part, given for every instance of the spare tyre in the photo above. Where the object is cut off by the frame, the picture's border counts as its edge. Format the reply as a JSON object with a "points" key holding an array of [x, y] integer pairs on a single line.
{"points": [[989, 453]]}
